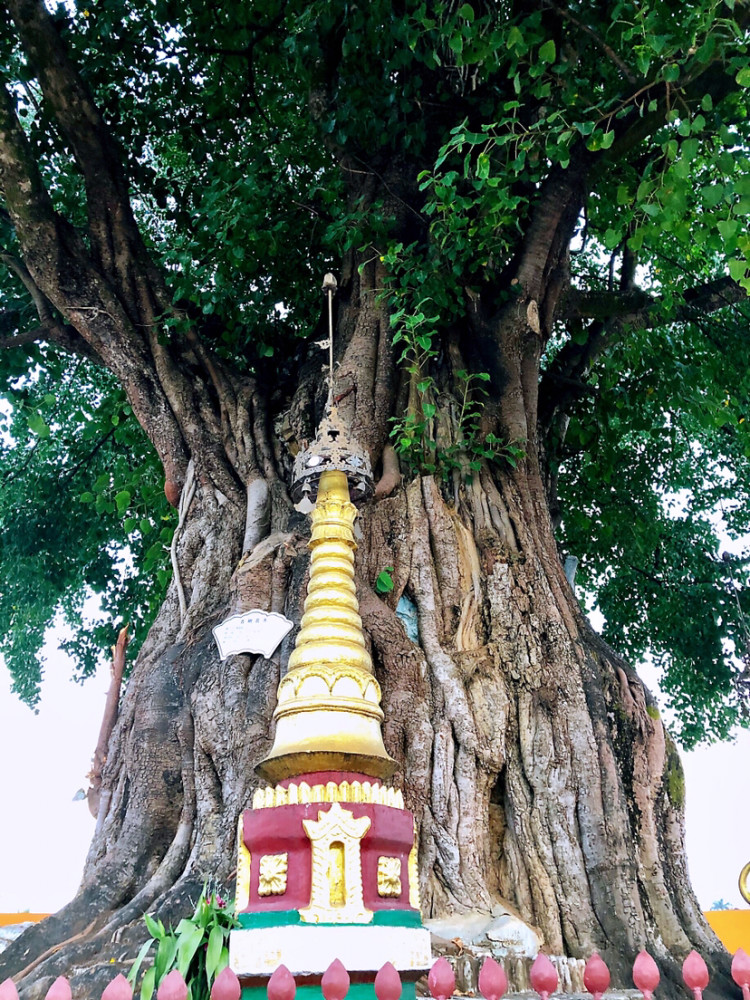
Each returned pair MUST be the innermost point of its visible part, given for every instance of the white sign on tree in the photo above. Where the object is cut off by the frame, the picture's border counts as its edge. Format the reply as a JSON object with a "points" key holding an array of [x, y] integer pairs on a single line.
{"points": [[252, 632]]}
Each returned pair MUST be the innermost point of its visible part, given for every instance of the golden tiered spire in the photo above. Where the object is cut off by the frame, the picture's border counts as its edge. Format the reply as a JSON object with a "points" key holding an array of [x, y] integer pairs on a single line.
{"points": [[328, 714]]}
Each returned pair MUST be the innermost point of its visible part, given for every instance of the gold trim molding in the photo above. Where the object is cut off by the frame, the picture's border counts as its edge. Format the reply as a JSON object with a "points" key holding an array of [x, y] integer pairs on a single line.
{"points": [[244, 861], [347, 791], [413, 868], [745, 883]]}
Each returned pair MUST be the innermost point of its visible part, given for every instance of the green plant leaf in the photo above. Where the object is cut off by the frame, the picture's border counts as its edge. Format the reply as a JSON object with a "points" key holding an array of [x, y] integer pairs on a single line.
{"points": [[165, 955], [483, 166], [154, 927], [384, 582], [135, 967], [548, 52], [37, 424], [148, 984], [213, 952], [189, 942]]}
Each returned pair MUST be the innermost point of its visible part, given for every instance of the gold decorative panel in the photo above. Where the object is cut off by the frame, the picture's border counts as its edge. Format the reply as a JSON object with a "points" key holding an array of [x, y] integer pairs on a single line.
{"points": [[389, 876], [336, 896], [273, 869]]}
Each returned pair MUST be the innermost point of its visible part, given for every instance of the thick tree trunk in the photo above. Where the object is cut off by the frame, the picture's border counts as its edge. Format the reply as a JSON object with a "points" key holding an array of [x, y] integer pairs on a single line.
{"points": [[539, 777]]}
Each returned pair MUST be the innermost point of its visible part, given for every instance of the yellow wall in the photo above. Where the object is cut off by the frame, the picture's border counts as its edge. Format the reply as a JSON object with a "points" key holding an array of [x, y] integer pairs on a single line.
{"points": [[732, 928], [20, 918]]}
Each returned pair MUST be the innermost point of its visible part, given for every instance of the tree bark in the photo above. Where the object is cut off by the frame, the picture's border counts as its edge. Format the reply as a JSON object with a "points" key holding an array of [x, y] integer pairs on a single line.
{"points": [[536, 765]]}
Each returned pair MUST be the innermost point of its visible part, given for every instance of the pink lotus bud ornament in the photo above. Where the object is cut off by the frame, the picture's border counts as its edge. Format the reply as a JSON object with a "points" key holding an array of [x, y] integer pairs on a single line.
{"points": [[59, 990], [493, 982], [740, 972], [281, 985], [543, 976], [388, 983], [172, 987], [596, 976], [118, 989], [441, 981], [335, 981], [645, 974], [8, 990], [695, 974], [226, 986]]}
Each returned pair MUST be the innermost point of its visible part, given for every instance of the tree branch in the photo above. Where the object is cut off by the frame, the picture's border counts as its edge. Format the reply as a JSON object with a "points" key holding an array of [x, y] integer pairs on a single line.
{"points": [[613, 315], [716, 79], [550, 230], [21, 184], [50, 329], [69, 99], [81, 463], [597, 39], [28, 337], [43, 307], [636, 307], [115, 241]]}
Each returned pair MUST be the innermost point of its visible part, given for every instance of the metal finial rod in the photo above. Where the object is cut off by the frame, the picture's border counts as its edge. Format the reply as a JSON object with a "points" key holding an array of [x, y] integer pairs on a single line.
{"points": [[330, 285]]}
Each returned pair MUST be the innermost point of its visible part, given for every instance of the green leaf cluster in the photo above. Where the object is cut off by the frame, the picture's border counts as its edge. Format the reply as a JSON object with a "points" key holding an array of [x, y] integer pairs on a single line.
{"points": [[656, 494], [82, 514], [198, 948]]}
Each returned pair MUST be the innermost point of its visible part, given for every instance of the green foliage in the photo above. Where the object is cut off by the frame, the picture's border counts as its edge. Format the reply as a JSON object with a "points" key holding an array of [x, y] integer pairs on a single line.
{"points": [[245, 129], [384, 581], [198, 948], [675, 778], [82, 512], [656, 486], [443, 433]]}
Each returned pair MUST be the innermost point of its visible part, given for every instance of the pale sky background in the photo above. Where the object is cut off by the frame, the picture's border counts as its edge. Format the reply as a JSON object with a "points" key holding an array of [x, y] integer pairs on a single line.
{"points": [[44, 760]]}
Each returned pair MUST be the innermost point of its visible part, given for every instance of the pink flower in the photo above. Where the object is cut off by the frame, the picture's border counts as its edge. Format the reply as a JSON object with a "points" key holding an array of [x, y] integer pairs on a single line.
{"points": [[221, 903]]}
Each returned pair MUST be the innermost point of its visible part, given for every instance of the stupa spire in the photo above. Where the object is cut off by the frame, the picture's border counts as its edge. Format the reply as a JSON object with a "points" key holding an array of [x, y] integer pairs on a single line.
{"points": [[328, 715]]}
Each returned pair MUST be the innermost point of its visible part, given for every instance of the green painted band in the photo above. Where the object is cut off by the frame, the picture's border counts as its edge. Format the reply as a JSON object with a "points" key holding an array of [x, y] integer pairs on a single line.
{"points": [[357, 991], [284, 918]]}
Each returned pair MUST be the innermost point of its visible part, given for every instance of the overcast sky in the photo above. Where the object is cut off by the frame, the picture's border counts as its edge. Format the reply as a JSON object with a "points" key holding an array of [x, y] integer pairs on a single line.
{"points": [[44, 834]]}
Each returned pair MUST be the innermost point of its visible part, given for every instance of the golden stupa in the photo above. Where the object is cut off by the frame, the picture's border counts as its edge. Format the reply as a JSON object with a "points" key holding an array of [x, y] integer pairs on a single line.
{"points": [[328, 715]]}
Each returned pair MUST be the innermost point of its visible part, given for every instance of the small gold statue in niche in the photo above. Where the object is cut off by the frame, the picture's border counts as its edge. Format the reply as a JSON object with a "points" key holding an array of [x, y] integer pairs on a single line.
{"points": [[337, 874], [336, 895], [273, 869]]}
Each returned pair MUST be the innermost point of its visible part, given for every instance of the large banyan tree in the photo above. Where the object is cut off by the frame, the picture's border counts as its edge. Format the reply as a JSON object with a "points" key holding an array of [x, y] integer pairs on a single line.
{"points": [[537, 216]]}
